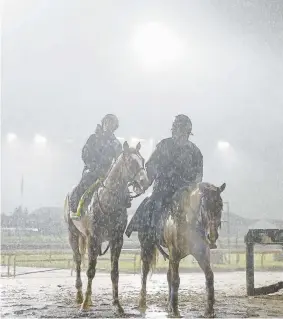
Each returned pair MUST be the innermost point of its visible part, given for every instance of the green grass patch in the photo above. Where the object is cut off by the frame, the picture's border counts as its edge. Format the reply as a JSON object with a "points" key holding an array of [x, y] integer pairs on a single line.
{"points": [[130, 262]]}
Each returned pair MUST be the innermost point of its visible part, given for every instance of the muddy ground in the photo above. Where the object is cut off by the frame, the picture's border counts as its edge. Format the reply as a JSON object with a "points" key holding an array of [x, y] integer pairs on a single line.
{"points": [[51, 295]]}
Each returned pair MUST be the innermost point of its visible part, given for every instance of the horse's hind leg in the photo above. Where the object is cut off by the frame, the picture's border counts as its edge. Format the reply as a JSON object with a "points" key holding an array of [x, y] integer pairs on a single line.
{"points": [[74, 242], [147, 258], [175, 283], [115, 249], [169, 284], [204, 263], [93, 251]]}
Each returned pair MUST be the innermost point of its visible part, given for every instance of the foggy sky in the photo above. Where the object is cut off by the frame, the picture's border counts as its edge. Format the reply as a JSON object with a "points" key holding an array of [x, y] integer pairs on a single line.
{"points": [[65, 63]]}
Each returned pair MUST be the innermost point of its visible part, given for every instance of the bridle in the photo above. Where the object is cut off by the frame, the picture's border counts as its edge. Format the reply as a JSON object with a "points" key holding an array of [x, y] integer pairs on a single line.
{"points": [[203, 216], [132, 179], [138, 171]]}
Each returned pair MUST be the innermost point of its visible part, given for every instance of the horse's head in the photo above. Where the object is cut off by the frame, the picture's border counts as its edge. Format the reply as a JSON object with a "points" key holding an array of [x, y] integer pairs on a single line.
{"points": [[211, 210], [135, 168]]}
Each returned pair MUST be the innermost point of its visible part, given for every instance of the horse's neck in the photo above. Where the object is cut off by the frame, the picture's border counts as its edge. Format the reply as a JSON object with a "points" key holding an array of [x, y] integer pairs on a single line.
{"points": [[192, 206], [116, 178], [195, 200]]}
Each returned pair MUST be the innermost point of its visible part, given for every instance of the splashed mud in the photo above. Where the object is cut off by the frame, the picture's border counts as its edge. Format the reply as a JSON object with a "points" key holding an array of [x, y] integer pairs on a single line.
{"points": [[51, 295]]}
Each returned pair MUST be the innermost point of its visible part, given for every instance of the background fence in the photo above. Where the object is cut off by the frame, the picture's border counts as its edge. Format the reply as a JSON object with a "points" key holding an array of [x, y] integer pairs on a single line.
{"points": [[221, 260]]}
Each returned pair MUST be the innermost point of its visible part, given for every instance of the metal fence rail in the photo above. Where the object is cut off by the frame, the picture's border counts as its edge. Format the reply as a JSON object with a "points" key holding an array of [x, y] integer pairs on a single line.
{"points": [[130, 261]]}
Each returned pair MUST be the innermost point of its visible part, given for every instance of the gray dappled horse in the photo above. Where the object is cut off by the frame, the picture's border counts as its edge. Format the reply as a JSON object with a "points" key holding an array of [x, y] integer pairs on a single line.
{"points": [[191, 225], [105, 219]]}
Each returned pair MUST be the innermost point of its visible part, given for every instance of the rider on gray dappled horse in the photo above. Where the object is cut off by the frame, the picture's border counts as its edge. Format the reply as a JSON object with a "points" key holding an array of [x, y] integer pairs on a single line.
{"points": [[98, 153], [176, 162]]}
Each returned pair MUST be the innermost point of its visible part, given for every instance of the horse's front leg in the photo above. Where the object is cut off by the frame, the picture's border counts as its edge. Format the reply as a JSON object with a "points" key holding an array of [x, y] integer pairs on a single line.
{"points": [[116, 245], [209, 277], [93, 251], [74, 243], [204, 263], [147, 260], [175, 283]]}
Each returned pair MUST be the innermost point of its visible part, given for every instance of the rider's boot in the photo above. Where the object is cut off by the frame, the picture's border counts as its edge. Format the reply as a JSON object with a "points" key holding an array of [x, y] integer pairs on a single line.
{"points": [[128, 201], [77, 194], [75, 215], [157, 224]]}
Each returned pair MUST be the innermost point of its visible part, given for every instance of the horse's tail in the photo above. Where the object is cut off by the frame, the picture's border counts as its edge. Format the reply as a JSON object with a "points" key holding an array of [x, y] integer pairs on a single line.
{"points": [[82, 246], [66, 209]]}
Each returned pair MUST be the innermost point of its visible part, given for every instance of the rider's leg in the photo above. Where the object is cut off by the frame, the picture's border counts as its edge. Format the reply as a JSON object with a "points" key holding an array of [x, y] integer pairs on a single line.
{"points": [[76, 195], [156, 205], [161, 198], [85, 182]]}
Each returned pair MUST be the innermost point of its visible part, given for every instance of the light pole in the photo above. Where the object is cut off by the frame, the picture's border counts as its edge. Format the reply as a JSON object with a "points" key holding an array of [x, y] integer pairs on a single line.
{"points": [[228, 231]]}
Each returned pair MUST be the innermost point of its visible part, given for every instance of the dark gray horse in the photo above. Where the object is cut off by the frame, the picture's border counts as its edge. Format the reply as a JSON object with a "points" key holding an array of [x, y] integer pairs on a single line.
{"points": [[190, 227], [105, 219]]}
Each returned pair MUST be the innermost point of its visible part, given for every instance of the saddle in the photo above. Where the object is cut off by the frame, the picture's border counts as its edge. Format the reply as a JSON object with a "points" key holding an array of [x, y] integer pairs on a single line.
{"points": [[147, 217]]}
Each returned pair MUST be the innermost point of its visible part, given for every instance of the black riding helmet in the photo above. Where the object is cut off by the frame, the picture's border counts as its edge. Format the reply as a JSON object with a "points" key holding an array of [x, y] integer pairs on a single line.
{"points": [[182, 124], [110, 122]]}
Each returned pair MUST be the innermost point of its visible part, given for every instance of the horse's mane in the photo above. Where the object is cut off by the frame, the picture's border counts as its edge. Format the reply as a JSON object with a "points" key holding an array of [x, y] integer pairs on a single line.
{"points": [[206, 186]]}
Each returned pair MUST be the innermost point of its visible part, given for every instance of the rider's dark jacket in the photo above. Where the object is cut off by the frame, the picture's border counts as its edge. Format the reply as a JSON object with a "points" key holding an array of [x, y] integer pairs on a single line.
{"points": [[98, 154], [172, 166], [100, 150]]}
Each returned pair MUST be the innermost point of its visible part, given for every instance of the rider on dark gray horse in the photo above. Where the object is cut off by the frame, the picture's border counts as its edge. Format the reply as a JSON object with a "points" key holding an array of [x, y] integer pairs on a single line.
{"points": [[176, 162], [98, 153]]}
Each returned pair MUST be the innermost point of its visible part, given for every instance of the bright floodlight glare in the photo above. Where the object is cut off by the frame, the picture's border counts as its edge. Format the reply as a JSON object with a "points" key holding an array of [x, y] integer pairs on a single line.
{"points": [[223, 145], [136, 139], [156, 44], [40, 140], [121, 139], [11, 137]]}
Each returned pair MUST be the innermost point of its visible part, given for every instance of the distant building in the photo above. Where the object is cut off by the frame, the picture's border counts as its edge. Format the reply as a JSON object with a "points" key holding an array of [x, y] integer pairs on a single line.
{"points": [[264, 224]]}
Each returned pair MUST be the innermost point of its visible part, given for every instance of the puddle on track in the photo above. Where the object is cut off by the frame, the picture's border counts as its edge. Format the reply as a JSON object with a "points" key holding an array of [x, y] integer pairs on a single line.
{"points": [[51, 295]]}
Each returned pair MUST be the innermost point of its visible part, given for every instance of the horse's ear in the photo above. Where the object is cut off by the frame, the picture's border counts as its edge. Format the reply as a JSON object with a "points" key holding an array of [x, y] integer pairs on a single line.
{"points": [[138, 147], [222, 187], [126, 146]]}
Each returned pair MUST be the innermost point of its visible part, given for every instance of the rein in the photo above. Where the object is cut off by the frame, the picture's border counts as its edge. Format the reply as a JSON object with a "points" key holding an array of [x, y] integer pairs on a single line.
{"points": [[199, 215], [136, 196], [200, 227]]}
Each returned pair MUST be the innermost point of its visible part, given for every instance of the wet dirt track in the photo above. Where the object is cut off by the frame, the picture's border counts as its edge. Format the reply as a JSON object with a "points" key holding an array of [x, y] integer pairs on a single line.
{"points": [[51, 295]]}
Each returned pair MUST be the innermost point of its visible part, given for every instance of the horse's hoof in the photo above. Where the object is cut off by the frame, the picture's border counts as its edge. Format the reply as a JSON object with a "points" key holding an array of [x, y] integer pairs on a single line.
{"points": [[86, 304], [209, 314], [173, 312], [118, 309], [142, 305], [90, 303], [83, 308], [79, 298], [176, 314]]}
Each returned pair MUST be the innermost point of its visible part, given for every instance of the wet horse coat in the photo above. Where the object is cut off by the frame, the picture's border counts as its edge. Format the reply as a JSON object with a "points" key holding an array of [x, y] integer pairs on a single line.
{"points": [[105, 219], [190, 228]]}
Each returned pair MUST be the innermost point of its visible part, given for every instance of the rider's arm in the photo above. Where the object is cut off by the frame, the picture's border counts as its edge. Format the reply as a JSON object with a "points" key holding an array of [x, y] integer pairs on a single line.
{"points": [[117, 147], [88, 150], [155, 162], [198, 166], [111, 152]]}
